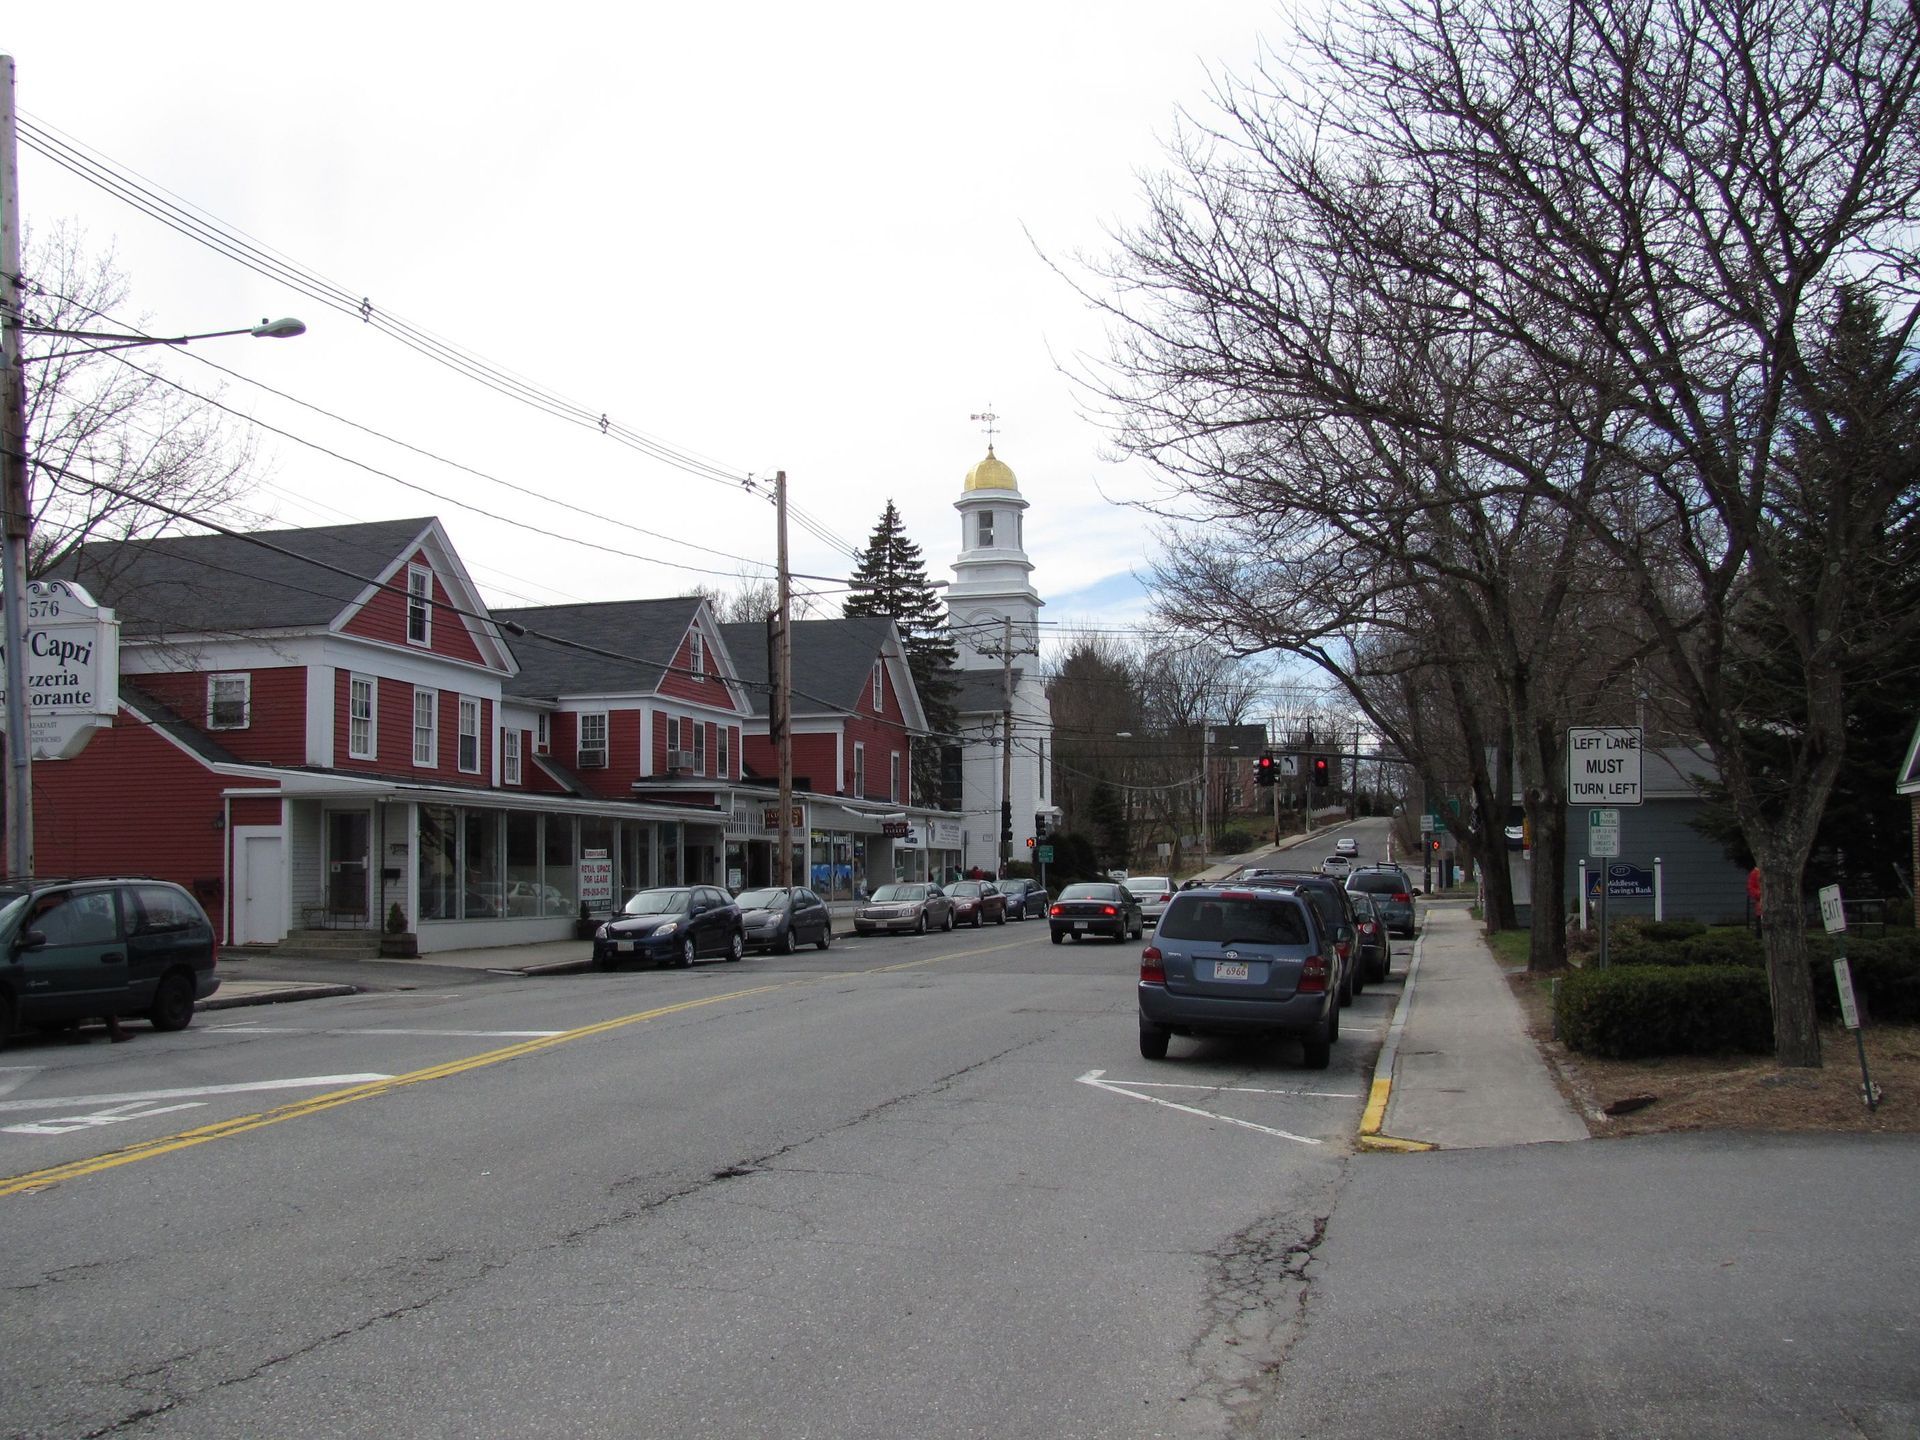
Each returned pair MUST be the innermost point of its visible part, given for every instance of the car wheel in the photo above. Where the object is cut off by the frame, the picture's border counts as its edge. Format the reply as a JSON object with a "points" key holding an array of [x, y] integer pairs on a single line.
{"points": [[1360, 978], [1346, 986], [826, 937], [951, 922], [1153, 1041], [787, 942], [1001, 918], [1333, 1024], [172, 1002], [920, 925], [1058, 937], [687, 952], [597, 961], [737, 945], [976, 919], [6, 1018], [1317, 1049]]}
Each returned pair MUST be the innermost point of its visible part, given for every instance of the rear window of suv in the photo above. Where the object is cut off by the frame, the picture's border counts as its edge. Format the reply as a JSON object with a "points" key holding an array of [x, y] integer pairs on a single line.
{"points": [[1217, 918], [1377, 882]]}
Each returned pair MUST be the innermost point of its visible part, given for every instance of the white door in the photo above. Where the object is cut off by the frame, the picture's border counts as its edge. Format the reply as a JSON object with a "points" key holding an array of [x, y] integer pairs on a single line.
{"points": [[261, 916]]}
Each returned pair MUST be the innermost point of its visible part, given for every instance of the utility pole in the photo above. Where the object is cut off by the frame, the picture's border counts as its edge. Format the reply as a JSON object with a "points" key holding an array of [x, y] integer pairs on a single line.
{"points": [[782, 702], [13, 493], [1006, 746]]}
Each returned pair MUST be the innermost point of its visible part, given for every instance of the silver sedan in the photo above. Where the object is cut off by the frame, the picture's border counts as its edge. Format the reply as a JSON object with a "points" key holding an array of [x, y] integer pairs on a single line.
{"points": [[913, 907]]}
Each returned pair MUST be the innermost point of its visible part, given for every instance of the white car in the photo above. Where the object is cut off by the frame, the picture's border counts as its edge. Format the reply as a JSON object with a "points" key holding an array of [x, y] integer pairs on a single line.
{"points": [[1346, 845], [1336, 865], [1153, 892]]}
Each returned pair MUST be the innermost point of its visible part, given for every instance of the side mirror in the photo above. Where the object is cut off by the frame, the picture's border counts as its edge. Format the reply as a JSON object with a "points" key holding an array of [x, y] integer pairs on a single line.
{"points": [[29, 940]]}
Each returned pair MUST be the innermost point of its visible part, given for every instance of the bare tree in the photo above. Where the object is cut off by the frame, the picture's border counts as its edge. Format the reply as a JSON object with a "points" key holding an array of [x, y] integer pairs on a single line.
{"points": [[106, 434]]}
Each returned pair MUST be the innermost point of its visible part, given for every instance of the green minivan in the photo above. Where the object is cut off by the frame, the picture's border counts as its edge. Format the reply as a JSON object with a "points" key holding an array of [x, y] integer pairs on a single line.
{"points": [[72, 950]]}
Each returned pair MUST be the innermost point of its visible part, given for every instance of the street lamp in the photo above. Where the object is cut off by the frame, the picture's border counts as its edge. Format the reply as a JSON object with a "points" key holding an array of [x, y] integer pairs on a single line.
{"points": [[18, 517]]}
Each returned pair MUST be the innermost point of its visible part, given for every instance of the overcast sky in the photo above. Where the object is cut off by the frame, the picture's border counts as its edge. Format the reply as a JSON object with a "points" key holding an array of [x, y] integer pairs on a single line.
{"points": [[778, 236]]}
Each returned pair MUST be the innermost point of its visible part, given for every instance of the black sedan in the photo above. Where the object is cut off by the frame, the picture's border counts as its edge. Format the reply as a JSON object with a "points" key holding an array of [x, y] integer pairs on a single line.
{"points": [[1096, 908], [1026, 899], [675, 924], [785, 919]]}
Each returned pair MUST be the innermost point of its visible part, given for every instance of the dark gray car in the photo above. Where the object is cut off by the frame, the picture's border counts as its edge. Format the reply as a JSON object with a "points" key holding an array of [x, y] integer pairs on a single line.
{"points": [[1392, 895], [784, 918], [1239, 962]]}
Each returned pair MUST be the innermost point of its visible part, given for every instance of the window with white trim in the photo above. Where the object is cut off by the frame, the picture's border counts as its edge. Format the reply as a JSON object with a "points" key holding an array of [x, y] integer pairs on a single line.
{"points": [[696, 655], [723, 768], [986, 528], [699, 746], [470, 734], [893, 779], [543, 734], [426, 728], [229, 701], [879, 685], [363, 740], [593, 741], [859, 769], [673, 732], [419, 605], [509, 756]]}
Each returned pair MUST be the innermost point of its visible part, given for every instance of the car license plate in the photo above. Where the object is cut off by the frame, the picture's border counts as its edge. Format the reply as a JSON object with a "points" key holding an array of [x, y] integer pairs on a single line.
{"points": [[628, 946], [1079, 924], [1229, 969]]}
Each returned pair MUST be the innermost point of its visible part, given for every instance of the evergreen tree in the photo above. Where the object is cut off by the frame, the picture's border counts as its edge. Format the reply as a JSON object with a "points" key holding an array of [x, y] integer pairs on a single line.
{"points": [[891, 580]]}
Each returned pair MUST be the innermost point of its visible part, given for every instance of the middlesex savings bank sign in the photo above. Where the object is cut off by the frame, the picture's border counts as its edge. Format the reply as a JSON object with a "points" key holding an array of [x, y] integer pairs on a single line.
{"points": [[72, 668]]}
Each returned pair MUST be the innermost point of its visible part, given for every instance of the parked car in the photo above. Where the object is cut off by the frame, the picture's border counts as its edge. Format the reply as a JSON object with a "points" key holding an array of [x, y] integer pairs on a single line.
{"points": [[527, 897], [784, 918], [677, 923], [1240, 962], [1373, 946], [71, 950], [1346, 845], [1095, 907], [1026, 899], [915, 907], [1391, 892], [977, 901], [1337, 922], [1153, 892]]}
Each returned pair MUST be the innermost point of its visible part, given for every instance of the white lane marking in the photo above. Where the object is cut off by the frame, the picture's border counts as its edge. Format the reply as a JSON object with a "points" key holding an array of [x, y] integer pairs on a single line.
{"points": [[1243, 1090], [69, 1123], [450, 1034], [301, 1082], [1092, 1078]]}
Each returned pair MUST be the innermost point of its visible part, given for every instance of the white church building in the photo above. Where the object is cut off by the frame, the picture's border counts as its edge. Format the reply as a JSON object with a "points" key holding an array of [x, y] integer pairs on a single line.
{"points": [[993, 616]]}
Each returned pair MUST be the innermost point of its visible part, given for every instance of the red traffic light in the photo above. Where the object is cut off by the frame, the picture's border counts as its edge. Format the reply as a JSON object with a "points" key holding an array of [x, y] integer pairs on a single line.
{"points": [[1031, 842], [1433, 844]]}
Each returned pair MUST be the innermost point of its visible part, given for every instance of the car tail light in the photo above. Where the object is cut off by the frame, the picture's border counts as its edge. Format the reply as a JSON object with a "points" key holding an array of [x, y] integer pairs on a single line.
{"points": [[1165, 895], [1403, 898], [1109, 910], [1151, 970], [1313, 976], [1236, 894], [1054, 911]]}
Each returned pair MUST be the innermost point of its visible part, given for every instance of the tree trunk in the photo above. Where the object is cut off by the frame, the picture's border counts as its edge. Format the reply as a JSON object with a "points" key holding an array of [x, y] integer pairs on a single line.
{"points": [[1783, 936], [1546, 800]]}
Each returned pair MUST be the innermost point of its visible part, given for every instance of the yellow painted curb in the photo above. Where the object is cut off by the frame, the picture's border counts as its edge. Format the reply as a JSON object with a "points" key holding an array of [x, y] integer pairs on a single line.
{"points": [[1370, 1137]]}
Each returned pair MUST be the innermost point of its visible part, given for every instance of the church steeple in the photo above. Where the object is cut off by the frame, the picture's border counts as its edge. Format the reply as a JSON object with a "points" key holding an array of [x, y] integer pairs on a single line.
{"points": [[992, 576]]}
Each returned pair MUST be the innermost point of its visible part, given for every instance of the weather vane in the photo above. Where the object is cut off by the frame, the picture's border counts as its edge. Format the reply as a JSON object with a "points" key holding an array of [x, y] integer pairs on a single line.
{"points": [[989, 418]]}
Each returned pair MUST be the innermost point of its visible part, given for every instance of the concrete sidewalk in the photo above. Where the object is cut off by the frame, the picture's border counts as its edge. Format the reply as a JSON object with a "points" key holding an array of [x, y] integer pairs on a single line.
{"points": [[1459, 1070]]}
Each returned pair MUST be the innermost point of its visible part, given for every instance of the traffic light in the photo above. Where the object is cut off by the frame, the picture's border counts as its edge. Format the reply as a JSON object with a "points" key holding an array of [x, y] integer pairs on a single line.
{"points": [[1031, 842], [1264, 769], [1433, 844], [1040, 818], [1319, 769]]}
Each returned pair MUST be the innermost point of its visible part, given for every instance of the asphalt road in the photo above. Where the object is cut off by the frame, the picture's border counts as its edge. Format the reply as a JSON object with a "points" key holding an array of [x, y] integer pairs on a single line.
{"points": [[906, 1187]]}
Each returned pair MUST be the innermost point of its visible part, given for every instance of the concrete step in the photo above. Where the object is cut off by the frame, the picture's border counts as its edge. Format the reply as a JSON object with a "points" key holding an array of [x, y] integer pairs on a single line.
{"points": [[331, 944]]}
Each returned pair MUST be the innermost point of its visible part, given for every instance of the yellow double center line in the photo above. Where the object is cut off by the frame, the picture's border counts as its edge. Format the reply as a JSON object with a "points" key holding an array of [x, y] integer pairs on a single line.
{"points": [[333, 1099]]}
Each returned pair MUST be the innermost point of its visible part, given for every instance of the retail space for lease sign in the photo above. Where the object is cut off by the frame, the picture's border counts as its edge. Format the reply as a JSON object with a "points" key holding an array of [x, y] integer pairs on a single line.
{"points": [[71, 668]]}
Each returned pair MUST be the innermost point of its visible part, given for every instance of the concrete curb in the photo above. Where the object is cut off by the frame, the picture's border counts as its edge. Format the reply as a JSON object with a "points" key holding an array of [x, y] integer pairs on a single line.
{"points": [[277, 996], [1374, 1116], [556, 967]]}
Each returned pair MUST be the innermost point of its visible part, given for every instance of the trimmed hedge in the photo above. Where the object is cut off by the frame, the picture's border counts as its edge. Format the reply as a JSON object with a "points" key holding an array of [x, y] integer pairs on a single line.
{"points": [[1886, 967], [1628, 1011]]}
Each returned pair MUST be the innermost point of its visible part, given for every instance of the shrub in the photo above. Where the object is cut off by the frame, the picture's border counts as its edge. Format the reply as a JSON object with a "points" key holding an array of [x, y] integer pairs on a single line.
{"points": [[1239, 837], [1886, 978], [396, 920], [1634, 1010]]}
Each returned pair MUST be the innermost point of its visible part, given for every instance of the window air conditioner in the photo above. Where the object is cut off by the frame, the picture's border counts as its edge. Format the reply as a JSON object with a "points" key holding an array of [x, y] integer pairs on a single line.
{"points": [[679, 760]]}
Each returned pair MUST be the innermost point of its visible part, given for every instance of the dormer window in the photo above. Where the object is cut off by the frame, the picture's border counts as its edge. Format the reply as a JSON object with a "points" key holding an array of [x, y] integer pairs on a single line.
{"points": [[229, 700], [419, 605], [698, 655], [985, 531]]}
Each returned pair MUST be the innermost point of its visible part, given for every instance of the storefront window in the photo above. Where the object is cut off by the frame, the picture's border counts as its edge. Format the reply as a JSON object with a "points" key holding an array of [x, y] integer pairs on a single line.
{"points": [[833, 864], [524, 893], [670, 854], [635, 859], [439, 856], [484, 895], [558, 853]]}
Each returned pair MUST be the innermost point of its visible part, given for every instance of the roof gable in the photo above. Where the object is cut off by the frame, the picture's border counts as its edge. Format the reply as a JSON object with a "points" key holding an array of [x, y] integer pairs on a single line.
{"points": [[612, 647], [832, 664]]}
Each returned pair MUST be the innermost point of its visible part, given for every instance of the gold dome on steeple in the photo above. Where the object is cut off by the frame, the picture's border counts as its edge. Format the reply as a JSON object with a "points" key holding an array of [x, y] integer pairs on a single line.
{"points": [[991, 474]]}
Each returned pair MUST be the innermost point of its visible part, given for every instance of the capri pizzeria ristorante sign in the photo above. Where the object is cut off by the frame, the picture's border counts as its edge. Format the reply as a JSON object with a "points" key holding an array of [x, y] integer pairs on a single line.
{"points": [[72, 668]]}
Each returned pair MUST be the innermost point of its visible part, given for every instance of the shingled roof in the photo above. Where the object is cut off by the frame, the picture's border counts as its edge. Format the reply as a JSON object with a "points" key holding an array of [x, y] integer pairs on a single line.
{"points": [[612, 647], [211, 584], [832, 660]]}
